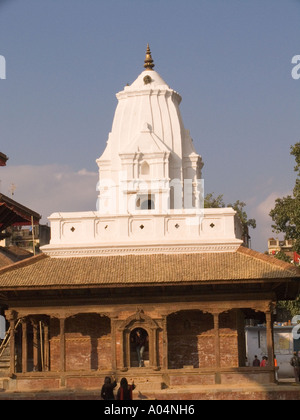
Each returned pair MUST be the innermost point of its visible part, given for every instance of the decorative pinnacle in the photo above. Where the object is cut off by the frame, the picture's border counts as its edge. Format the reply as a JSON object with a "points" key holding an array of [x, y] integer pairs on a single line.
{"points": [[148, 60]]}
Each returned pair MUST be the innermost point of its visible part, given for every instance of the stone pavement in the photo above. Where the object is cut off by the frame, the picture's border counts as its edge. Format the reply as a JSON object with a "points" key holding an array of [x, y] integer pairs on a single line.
{"points": [[285, 390]]}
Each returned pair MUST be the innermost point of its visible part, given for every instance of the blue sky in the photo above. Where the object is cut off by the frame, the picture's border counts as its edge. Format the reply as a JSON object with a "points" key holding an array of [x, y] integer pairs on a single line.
{"points": [[229, 59]]}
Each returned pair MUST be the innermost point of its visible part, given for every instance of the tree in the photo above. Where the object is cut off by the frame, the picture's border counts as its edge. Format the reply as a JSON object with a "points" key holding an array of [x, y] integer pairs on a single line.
{"points": [[238, 206], [286, 213], [287, 309], [217, 202], [211, 202], [286, 218], [281, 255]]}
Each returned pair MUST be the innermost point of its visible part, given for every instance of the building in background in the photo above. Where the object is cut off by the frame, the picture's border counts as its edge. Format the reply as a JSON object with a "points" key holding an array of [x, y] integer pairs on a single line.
{"points": [[286, 246], [284, 344], [3, 159], [28, 237], [20, 232]]}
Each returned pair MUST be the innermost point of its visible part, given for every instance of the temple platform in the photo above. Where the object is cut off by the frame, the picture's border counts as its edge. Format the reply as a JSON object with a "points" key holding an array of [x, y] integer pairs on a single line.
{"points": [[284, 391]]}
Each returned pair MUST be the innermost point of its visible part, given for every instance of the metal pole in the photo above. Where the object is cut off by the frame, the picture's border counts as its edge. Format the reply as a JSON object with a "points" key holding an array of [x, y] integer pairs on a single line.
{"points": [[32, 226]]}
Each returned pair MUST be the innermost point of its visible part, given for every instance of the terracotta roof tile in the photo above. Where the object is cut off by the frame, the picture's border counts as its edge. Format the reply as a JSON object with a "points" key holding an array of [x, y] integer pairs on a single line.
{"points": [[12, 254], [4, 260], [244, 265]]}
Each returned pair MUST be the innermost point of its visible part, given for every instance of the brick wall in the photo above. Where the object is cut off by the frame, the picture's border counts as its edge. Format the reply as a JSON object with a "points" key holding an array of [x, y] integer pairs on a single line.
{"points": [[88, 343], [191, 340]]}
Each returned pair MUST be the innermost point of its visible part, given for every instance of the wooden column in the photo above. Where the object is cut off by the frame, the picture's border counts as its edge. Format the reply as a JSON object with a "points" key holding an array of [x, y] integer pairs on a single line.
{"points": [[35, 346], [217, 348], [165, 343], [12, 324], [154, 348], [127, 349], [62, 345], [24, 345], [151, 343], [46, 348], [113, 343], [217, 340], [270, 343], [122, 349]]}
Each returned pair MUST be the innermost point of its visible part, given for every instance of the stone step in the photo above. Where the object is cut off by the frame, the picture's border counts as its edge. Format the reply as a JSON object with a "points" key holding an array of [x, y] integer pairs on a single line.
{"points": [[4, 383], [5, 362]]}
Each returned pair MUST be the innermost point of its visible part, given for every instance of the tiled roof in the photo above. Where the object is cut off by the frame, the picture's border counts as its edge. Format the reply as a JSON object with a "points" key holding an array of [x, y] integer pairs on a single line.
{"points": [[4, 260], [158, 269], [12, 254], [13, 212]]}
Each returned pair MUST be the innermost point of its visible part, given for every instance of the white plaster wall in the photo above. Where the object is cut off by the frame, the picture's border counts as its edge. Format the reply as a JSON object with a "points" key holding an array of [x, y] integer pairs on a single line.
{"points": [[256, 344], [212, 230]]}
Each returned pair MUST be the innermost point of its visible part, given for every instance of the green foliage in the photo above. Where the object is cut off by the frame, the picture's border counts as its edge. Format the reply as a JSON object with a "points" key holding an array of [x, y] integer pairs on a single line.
{"points": [[289, 308], [217, 202], [295, 151], [238, 206], [286, 218], [282, 256], [211, 202]]}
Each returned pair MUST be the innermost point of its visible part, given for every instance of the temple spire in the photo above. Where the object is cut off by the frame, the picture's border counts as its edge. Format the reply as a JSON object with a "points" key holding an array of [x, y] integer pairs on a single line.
{"points": [[148, 60]]}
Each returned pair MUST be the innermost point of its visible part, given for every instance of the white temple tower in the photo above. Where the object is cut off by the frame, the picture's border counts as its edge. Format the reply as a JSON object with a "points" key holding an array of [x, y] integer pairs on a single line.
{"points": [[150, 189], [149, 153]]}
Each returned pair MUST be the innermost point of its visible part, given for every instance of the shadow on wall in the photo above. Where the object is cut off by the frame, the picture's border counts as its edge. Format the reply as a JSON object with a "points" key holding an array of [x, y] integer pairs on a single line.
{"points": [[88, 342], [191, 339]]}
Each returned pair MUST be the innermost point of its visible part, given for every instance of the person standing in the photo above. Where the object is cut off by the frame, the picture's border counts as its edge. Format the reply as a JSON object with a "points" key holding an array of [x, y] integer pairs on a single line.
{"points": [[295, 363], [140, 342], [276, 368], [125, 390], [256, 362], [107, 391], [264, 362]]}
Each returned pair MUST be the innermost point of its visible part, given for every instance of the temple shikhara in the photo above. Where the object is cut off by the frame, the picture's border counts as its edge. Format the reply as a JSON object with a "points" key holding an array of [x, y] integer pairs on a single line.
{"points": [[150, 258]]}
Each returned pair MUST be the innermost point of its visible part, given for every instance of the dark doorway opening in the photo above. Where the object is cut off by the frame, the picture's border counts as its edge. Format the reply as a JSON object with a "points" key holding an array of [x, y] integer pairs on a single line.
{"points": [[139, 348]]}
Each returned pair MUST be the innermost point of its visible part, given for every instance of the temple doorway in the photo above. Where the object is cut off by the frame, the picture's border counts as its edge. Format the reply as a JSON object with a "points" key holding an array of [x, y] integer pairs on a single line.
{"points": [[139, 348]]}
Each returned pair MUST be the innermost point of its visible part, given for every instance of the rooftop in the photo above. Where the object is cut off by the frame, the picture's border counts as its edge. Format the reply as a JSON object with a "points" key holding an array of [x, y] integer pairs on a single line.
{"points": [[3, 159], [13, 213], [12, 254], [242, 266]]}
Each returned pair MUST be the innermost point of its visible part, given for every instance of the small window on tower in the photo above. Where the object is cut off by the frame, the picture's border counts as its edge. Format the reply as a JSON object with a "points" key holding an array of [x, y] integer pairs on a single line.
{"points": [[145, 202], [145, 168]]}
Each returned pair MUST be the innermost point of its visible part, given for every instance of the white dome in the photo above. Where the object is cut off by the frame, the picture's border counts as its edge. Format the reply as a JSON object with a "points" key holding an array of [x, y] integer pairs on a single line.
{"points": [[148, 130], [149, 100], [147, 80]]}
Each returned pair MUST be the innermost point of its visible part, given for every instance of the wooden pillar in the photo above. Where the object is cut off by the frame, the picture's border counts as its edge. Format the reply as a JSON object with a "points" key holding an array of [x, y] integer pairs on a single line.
{"points": [[217, 348], [113, 344], [62, 345], [122, 349], [24, 345], [12, 324], [127, 349], [165, 343], [46, 348], [217, 340], [270, 344], [151, 338], [154, 348], [35, 346]]}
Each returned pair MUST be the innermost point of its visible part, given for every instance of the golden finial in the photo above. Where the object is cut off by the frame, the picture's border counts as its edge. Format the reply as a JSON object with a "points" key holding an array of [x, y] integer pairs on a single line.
{"points": [[148, 60]]}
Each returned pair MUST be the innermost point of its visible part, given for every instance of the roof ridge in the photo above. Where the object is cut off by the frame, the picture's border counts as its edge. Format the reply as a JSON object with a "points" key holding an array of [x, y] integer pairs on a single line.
{"points": [[23, 263], [268, 259]]}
